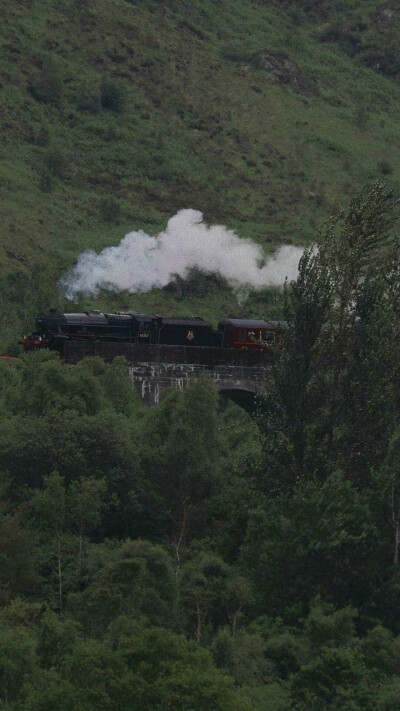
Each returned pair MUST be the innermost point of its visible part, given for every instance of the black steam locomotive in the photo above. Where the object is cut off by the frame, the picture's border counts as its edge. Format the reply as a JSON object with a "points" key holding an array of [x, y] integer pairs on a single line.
{"points": [[53, 330]]}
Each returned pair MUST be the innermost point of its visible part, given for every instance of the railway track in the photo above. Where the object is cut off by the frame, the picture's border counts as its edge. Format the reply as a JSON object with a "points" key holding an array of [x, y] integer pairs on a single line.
{"points": [[9, 359]]}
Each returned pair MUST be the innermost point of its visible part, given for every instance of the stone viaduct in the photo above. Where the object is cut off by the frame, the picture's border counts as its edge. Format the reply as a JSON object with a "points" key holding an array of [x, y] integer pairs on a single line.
{"points": [[237, 374]]}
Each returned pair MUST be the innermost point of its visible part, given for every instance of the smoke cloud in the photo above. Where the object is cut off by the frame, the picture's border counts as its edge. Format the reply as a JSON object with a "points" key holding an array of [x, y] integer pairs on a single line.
{"points": [[141, 262]]}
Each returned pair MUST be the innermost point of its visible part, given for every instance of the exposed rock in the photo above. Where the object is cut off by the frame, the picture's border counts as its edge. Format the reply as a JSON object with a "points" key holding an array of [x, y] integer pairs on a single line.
{"points": [[186, 26], [286, 71], [384, 16], [11, 255]]}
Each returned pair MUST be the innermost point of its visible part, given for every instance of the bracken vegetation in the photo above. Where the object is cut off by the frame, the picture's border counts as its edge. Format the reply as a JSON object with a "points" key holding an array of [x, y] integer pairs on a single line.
{"points": [[262, 114]]}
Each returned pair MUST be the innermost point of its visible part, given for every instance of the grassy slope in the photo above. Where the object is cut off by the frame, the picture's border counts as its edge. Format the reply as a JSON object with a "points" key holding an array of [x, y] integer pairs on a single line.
{"points": [[201, 127]]}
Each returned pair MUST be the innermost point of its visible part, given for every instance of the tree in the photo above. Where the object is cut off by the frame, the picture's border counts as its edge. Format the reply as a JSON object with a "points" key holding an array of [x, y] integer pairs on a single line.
{"points": [[49, 506], [18, 575], [295, 399], [320, 540], [320, 415], [56, 638], [352, 249], [388, 481], [18, 662], [135, 578], [203, 583], [182, 458], [85, 504]]}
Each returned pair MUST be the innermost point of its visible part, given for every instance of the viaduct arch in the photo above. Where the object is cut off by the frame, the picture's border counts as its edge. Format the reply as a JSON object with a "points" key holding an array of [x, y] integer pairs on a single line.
{"points": [[237, 374]]}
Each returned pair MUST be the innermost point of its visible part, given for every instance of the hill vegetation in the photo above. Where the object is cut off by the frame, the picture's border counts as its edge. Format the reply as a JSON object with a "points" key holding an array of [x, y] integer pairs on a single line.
{"points": [[265, 115]]}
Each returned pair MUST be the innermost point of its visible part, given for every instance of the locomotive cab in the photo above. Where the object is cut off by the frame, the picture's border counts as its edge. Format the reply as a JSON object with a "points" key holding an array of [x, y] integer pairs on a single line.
{"points": [[145, 327]]}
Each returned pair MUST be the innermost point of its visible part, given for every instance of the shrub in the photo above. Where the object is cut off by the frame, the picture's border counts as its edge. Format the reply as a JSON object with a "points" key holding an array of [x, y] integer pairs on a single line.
{"points": [[111, 134], [49, 88], [83, 5], [112, 96], [42, 137], [385, 167], [109, 209], [90, 101], [361, 116], [46, 181], [55, 162], [196, 283]]}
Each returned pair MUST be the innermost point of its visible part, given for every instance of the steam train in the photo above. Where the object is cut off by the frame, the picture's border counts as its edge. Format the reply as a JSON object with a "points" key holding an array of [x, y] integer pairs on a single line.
{"points": [[53, 330]]}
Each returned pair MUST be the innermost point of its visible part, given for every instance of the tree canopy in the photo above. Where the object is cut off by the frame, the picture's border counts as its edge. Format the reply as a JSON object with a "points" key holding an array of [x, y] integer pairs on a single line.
{"points": [[188, 557]]}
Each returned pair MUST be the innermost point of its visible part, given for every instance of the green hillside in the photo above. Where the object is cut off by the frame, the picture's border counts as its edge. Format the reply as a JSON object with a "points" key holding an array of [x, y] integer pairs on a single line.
{"points": [[266, 116]]}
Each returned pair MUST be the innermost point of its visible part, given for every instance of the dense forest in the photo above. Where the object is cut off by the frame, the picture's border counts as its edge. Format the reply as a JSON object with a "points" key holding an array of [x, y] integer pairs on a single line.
{"points": [[188, 557]]}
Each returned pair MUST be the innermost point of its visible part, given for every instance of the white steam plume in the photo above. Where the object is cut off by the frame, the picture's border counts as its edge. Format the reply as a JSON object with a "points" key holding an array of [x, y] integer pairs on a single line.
{"points": [[141, 262]]}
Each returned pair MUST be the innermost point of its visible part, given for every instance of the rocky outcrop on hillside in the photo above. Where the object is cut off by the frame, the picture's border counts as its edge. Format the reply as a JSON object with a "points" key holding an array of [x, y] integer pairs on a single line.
{"points": [[286, 71], [384, 16]]}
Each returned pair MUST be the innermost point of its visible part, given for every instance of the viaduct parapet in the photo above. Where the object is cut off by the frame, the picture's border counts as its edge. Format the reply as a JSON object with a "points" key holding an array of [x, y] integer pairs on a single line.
{"points": [[237, 374]]}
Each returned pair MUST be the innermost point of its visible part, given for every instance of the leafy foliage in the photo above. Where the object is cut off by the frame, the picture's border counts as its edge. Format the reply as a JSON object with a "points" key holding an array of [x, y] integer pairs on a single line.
{"points": [[186, 557]]}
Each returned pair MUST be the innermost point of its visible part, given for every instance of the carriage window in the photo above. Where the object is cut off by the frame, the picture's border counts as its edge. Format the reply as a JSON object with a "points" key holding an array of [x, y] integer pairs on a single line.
{"points": [[242, 334], [269, 337]]}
